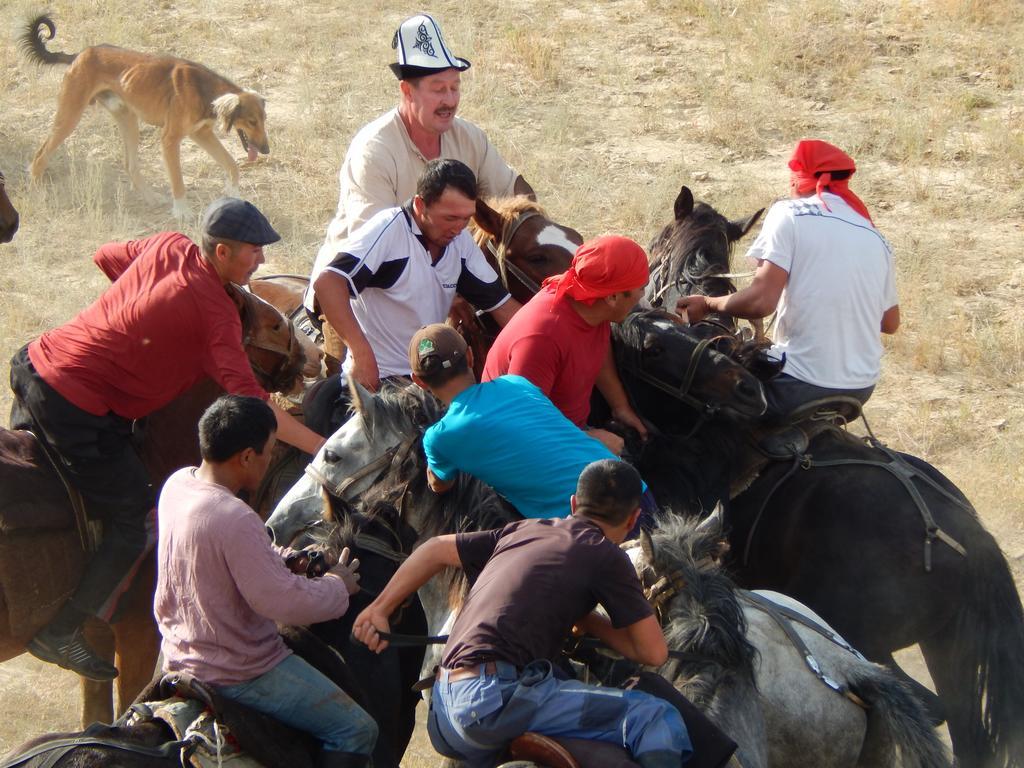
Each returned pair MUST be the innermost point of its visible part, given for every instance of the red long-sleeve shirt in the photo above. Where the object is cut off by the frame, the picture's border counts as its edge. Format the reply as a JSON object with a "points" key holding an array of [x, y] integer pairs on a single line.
{"points": [[164, 324]]}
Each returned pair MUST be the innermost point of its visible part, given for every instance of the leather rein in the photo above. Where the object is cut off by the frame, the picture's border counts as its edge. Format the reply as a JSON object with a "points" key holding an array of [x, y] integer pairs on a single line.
{"points": [[681, 392], [392, 457]]}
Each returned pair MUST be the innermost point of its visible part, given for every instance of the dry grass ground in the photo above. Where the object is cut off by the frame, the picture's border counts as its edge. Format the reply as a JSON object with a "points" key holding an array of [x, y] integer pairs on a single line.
{"points": [[606, 107]]}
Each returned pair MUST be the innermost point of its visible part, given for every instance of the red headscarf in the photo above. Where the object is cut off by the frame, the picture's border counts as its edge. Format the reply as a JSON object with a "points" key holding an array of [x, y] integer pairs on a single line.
{"points": [[811, 166], [602, 266]]}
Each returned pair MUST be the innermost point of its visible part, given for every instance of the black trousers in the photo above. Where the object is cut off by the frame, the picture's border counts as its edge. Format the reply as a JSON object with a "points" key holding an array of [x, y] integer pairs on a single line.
{"points": [[100, 460], [785, 394]]}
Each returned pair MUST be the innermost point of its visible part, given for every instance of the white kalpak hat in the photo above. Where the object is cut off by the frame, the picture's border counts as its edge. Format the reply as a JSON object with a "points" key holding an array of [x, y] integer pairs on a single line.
{"points": [[422, 50]]}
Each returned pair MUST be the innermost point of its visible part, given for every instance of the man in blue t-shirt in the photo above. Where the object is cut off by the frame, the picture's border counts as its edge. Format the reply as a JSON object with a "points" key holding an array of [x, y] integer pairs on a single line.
{"points": [[505, 432]]}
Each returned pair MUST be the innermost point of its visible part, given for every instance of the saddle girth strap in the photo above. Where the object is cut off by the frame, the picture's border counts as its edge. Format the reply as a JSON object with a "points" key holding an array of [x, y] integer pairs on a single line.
{"points": [[85, 533], [782, 616], [898, 467]]}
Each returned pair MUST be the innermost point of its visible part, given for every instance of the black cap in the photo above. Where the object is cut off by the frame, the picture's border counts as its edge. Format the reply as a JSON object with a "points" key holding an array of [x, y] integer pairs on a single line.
{"points": [[234, 219]]}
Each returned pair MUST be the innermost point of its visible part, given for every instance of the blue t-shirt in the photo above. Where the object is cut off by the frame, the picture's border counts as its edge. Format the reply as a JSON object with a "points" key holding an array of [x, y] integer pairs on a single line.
{"points": [[508, 434]]}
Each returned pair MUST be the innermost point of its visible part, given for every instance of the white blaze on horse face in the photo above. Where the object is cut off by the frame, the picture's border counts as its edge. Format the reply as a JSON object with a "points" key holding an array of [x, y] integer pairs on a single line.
{"points": [[553, 234]]}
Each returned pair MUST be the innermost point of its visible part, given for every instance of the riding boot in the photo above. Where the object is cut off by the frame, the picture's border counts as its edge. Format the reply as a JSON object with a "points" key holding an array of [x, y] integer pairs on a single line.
{"points": [[331, 759], [70, 651]]}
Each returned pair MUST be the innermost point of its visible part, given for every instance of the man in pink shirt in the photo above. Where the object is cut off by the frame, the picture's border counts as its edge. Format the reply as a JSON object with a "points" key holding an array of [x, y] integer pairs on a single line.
{"points": [[222, 585]]}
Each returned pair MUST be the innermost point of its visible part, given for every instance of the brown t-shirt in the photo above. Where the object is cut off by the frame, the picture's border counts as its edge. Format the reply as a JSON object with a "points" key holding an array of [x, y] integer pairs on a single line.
{"points": [[532, 580]]}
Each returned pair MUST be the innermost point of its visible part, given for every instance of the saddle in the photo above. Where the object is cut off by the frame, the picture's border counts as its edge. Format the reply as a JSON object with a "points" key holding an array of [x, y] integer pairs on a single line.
{"points": [[792, 434], [240, 729], [568, 753], [44, 502], [220, 729]]}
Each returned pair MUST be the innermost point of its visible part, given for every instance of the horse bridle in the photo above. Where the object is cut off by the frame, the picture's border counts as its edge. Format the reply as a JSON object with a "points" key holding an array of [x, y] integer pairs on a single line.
{"points": [[500, 252], [275, 377], [682, 392], [392, 457]]}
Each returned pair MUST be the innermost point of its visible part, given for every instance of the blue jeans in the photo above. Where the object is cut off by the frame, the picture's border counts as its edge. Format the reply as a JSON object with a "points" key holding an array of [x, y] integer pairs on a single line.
{"points": [[474, 720], [299, 695]]}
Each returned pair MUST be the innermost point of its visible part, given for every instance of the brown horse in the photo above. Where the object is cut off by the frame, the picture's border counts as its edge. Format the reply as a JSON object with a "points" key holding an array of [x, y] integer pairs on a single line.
{"points": [[45, 532], [8, 215], [285, 292], [524, 247]]}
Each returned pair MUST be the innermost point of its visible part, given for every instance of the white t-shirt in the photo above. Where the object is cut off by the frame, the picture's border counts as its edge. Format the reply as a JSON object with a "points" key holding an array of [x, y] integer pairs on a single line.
{"points": [[382, 167], [841, 282], [396, 288]]}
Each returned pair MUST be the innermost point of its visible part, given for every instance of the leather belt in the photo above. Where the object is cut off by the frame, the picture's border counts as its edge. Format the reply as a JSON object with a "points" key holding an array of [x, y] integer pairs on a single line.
{"points": [[467, 673]]}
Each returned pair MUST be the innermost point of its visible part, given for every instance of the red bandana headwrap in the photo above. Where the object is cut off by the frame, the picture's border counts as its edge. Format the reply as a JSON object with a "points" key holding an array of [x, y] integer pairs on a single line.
{"points": [[602, 266], [812, 157]]}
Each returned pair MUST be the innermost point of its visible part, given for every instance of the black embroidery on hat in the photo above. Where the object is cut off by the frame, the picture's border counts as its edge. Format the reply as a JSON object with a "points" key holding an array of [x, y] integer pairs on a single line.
{"points": [[424, 41]]}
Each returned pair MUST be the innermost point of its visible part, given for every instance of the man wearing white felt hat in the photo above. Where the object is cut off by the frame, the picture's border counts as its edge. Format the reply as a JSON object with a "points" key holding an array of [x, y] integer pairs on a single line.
{"points": [[387, 156]]}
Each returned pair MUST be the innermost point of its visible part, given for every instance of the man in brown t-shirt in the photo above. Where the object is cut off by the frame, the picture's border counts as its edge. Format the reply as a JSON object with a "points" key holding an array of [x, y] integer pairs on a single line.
{"points": [[532, 581]]}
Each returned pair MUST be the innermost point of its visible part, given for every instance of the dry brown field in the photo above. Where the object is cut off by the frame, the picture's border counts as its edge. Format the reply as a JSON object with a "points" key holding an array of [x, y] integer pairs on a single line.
{"points": [[606, 107]]}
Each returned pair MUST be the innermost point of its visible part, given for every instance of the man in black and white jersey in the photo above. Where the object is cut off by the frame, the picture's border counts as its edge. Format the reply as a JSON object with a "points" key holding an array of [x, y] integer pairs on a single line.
{"points": [[401, 270]]}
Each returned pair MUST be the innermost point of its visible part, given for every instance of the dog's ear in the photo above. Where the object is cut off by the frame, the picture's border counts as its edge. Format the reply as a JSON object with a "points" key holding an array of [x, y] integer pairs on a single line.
{"points": [[225, 109]]}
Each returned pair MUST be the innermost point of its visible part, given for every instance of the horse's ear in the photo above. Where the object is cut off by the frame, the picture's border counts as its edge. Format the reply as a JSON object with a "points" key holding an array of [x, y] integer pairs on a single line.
{"points": [[487, 218], [364, 402], [237, 295], [684, 203], [740, 227], [647, 546]]}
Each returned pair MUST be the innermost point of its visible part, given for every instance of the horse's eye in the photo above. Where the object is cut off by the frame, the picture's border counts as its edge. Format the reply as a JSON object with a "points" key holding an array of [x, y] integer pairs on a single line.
{"points": [[651, 343], [536, 258], [331, 457]]}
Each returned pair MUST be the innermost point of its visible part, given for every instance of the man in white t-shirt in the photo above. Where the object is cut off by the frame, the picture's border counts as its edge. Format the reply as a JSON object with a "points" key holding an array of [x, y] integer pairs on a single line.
{"points": [[400, 271], [829, 272], [387, 156]]}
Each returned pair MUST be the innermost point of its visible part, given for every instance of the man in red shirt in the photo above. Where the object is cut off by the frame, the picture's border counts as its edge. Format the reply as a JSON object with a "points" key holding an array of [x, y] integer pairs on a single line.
{"points": [[561, 339], [164, 324]]}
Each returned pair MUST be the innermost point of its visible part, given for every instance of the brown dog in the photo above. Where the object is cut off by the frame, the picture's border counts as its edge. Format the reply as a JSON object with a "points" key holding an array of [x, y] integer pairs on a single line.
{"points": [[185, 98]]}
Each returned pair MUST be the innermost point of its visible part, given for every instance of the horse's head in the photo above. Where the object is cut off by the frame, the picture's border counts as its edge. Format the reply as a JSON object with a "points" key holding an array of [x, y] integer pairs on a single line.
{"points": [[381, 434], [675, 376], [680, 568], [523, 244], [270, 341], [8, 215], [691, 254]]}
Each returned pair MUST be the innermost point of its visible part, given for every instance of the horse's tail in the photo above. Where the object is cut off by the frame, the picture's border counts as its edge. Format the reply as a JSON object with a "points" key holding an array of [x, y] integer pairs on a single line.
{"points": [[986, 657], [897, 723], [33, 42]]}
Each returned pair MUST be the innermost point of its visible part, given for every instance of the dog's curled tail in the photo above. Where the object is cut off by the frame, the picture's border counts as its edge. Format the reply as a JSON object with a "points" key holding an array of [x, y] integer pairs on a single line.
{"points": [[33, 42]]}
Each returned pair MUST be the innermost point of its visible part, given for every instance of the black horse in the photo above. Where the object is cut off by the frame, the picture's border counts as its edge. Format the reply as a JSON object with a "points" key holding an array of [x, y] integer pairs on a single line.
{"points": [[849, 540], [691, 254]]}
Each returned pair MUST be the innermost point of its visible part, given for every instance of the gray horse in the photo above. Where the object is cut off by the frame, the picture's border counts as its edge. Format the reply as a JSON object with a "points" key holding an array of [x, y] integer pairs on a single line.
{"points": [[752, 681], [746, 673]]}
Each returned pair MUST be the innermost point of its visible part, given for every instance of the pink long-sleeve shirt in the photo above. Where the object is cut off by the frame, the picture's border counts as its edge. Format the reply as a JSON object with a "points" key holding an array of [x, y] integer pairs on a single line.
{"points": [[222, 585]]}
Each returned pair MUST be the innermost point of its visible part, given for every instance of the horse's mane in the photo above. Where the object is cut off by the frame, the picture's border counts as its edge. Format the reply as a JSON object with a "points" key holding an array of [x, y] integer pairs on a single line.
{"points": [[468, 505], [628, 336], [508, 208], [705, 618], [692, 251], [403, 407]]}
